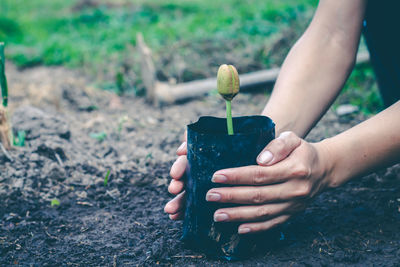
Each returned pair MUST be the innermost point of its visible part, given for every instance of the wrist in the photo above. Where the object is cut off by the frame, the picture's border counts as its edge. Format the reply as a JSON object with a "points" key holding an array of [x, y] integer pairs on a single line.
{"points": [[328, 160]]}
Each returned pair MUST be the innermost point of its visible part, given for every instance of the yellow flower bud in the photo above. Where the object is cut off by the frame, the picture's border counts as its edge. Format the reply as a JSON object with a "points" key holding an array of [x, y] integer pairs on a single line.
{"points": [[228, 83]]}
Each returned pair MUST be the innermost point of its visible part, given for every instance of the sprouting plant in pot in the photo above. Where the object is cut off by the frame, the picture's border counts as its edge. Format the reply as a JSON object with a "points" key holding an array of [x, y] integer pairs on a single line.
{"points": [[228, 85], [214, 144], [5, 128]]}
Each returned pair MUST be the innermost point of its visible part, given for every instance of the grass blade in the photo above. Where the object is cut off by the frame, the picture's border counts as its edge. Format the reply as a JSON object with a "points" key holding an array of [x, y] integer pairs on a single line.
{"points": [[3, 79], [106, 178]]}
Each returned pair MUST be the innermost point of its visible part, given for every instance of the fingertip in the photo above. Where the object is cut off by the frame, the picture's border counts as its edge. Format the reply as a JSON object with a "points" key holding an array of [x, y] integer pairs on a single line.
{"points": [[243, 230], [175, 187], [182, 149], [167, 208], [178, 168]]}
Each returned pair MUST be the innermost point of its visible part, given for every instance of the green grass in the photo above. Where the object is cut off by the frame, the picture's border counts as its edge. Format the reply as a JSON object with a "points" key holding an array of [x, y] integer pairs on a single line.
{"points": [[100, 38], [361, 90], [55, 202], [106, 177], [190, 39]]}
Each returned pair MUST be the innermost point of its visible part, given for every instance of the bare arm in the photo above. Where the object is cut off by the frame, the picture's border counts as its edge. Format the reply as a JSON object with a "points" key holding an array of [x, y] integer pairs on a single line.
{"points": [[367, 147], [317, 66]]}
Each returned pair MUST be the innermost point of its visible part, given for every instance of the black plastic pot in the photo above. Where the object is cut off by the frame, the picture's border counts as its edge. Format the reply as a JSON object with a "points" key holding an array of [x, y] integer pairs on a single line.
{"points": [[210, 148]]}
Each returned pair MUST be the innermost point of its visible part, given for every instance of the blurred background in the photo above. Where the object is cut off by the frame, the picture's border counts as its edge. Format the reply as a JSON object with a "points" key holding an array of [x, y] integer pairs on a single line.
{"points": [[189, 39]]}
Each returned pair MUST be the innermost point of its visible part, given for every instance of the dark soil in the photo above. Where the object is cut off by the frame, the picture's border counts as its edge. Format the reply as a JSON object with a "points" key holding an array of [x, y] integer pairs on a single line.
{"points": [[123, 223]]}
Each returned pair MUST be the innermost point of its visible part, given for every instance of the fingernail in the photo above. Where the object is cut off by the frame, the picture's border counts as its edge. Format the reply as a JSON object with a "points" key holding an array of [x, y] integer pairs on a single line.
{"points": [[219, 178], [213, 197], [265, 157], [220, 217], [181, 147], [244, 230]]}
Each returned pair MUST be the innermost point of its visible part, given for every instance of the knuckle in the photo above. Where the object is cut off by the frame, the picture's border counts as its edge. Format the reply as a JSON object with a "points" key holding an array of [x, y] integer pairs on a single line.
{"points": [[258, 176], [301, 170], [262, 212], [274, 223], [303, 190], [280, 144], [257, 197], [295, 138], [233, 179], [227, 196], [290, 135]]}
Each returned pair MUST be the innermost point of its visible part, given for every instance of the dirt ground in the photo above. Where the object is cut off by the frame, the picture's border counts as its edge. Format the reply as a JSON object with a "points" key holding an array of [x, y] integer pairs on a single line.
{"points": [[123, 223]]}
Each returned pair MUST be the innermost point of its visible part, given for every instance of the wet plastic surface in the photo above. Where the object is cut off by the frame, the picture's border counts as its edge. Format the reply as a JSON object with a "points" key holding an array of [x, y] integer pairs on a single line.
{"points": [[210, 148]]}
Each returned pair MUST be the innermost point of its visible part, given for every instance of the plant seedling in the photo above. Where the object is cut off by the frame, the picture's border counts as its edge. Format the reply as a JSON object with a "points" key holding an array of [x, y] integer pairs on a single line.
{"points": [[106, 178], [55, 202], [3, 79], [121, 122], [228, 85], [5, 132], [98, 136], [20, 139]]}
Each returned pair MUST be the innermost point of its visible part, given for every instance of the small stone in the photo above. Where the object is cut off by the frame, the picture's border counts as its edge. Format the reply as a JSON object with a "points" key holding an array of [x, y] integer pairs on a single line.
{"points": [[18, 183], [346, 109], [34, 157], [81, 194], [339, 256], [113, 193], [56, 173]]}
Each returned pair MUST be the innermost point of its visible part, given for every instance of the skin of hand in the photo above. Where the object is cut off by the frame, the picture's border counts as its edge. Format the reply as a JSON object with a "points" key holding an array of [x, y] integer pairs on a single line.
{"points": [[290, 173], [176, 207]]}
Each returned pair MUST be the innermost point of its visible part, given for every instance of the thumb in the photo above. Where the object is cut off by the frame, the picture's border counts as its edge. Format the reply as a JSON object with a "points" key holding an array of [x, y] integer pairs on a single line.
{"points": [[279, 148]]}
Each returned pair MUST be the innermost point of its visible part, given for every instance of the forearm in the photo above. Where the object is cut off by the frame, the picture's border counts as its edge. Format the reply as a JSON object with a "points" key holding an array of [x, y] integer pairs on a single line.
{"points": [[316, 67], [364, 148]]}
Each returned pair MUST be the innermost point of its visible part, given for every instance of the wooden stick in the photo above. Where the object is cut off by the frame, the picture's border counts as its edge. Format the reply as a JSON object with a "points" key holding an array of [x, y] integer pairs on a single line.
{"points": [[164, 93], [4, 129]]}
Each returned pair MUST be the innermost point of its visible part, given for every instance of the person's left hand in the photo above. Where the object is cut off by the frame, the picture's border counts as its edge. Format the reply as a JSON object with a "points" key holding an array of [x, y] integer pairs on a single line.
{"points": [[291, 171]]}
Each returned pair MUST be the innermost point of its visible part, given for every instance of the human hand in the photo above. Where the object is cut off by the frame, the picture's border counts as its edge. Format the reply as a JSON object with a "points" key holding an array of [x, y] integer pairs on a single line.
{"points": [[290, 173], [175, 207]]}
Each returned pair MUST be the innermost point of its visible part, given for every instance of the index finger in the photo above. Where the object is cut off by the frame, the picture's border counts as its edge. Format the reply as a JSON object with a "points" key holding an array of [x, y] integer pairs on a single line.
{"points": [[253, 175]]}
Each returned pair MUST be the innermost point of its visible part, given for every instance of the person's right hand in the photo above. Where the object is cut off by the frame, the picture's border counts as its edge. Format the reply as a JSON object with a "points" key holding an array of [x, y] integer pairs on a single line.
{"points": [[176, 207]]}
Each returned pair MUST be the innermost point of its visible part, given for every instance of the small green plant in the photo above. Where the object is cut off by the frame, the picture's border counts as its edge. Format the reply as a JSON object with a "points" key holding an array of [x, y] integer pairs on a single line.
{"points": [[5, 128], [228, 85], [20, 139], [121, 123], [120, 83], [98, 136], [106, 178], [3, 79], [55, 202]]}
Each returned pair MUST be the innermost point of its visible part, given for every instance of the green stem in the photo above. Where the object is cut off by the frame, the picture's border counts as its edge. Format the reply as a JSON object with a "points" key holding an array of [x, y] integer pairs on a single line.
{"points": [[229, 117], [3, 80]]}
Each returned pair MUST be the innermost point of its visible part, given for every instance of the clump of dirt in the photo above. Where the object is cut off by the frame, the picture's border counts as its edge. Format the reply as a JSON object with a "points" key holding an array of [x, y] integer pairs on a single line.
{"points": [[73, 138]]}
